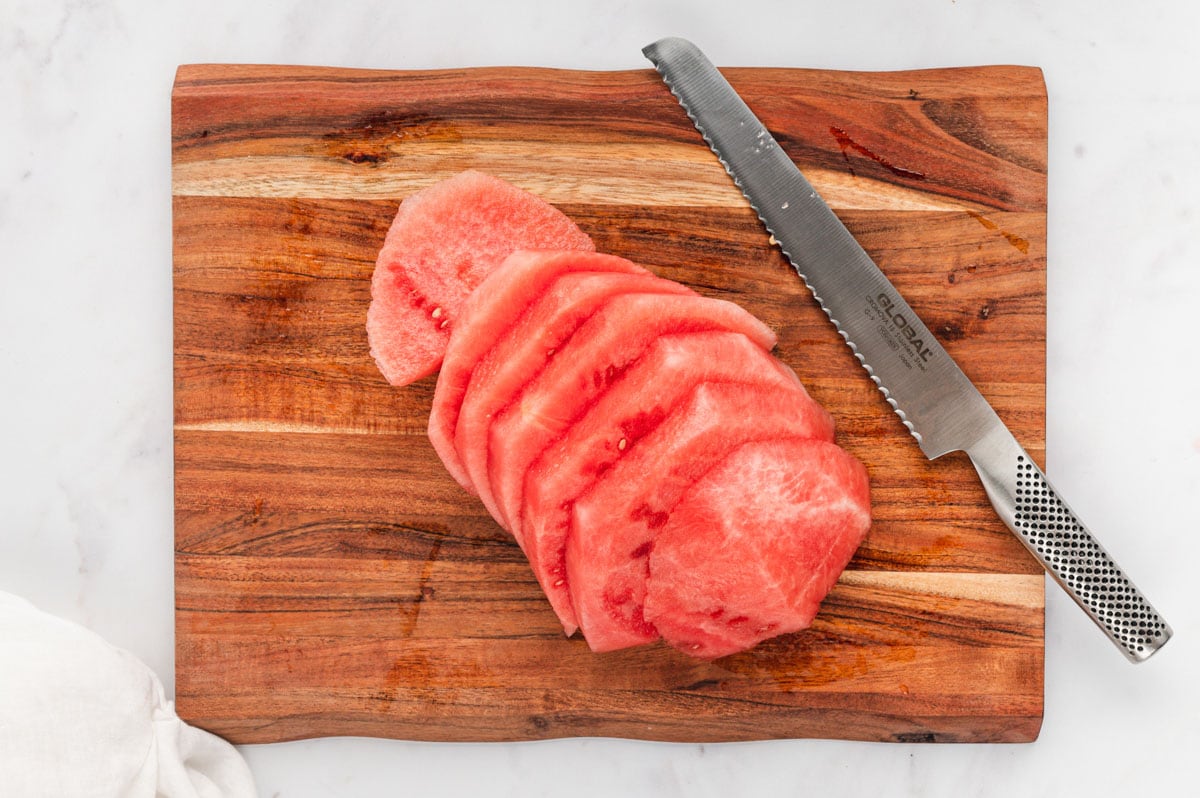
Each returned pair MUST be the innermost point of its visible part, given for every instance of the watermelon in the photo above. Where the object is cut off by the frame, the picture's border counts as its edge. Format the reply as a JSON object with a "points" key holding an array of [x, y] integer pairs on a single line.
{"points": [[442, 243], [540, 499], [501, 299], [526, 350], [729, 569], [614, 526], [664, 474]]}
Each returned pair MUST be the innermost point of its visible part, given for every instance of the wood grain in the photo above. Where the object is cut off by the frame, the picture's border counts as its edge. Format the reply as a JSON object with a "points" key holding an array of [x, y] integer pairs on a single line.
{"points": [[331, 578]]}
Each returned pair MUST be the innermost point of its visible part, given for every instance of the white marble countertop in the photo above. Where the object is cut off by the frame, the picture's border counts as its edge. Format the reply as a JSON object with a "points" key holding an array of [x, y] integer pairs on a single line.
{"points": [[85, 349]]}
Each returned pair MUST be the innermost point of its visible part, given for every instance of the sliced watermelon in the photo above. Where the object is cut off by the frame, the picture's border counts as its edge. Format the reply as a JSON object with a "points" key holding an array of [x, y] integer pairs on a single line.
{"points": [[637, 403], [500, 301], [755, 544], [524, 352], [662, 472], [444, 240], [615, 523]]}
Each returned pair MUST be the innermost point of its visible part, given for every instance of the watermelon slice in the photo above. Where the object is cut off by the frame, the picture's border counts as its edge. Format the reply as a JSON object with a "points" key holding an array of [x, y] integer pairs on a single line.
{"points": [[526, 350], [442, 243], [615, 523], [755, 545], [540, 502], [501, 299]]}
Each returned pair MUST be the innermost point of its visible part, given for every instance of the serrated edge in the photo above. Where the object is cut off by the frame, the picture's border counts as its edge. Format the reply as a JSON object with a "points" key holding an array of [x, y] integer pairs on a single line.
{"points": [[887, 394]]}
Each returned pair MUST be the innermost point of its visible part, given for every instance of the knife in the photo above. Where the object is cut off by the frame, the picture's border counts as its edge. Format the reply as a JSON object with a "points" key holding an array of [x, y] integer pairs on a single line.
{"points": [[929, 392]]}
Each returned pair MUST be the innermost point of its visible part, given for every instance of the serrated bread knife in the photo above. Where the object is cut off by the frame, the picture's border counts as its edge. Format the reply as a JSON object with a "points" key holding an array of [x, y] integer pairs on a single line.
{"points": [[935, 400]]}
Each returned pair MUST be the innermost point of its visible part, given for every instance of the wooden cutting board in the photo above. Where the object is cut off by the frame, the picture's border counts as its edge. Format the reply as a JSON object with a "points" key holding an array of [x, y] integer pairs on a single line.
{"points": [[332, 579]]}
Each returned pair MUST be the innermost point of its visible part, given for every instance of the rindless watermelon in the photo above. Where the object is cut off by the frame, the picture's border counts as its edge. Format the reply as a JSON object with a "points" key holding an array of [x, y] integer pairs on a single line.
{"points": [[665, 475], [442, 243], [729, 569]]}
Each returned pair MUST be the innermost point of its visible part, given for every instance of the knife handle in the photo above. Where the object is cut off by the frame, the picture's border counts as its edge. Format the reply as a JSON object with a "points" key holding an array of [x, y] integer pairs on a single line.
{"points": [[1031, 507]]}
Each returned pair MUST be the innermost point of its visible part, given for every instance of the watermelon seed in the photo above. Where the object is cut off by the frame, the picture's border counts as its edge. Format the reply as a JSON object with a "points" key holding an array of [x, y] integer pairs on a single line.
{"points": [[437, 313], [442, 326], [558, 583], [621, 444]]}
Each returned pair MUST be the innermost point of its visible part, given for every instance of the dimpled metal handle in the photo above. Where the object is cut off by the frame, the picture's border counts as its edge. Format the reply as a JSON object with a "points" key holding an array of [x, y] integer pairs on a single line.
{"points": [[1027, 502]]}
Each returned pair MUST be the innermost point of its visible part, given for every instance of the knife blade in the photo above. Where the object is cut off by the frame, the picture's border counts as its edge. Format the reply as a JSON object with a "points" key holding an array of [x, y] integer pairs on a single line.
{"points": [[934, 399]]}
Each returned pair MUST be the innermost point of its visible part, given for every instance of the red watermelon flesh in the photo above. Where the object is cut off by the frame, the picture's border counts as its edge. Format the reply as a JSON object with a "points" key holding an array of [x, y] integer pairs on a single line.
{"points": [[614, 525], [525, 350], [584, 368], [442, 243], [501, 299], [638, 401], [755, 544]]}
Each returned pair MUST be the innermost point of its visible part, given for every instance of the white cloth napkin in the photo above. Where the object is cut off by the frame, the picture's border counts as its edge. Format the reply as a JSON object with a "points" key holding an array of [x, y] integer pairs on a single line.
{"points": [[80, 717]]}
